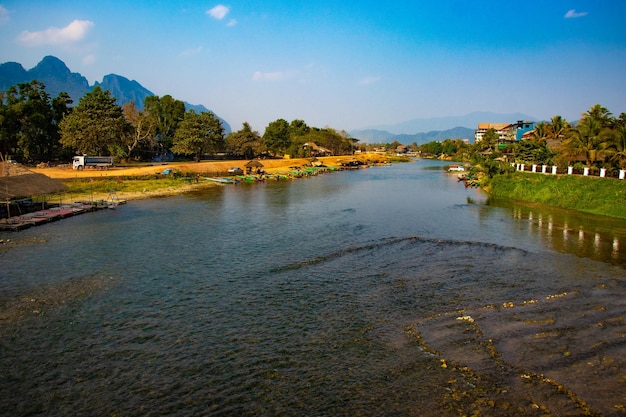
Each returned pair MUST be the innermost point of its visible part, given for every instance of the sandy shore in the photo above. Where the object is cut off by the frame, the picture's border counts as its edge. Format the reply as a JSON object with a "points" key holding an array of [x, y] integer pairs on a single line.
{"points": [[204, 168]]}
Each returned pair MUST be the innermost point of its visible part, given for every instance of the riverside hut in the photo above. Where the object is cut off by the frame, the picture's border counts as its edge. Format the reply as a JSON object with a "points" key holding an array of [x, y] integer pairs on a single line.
{"points": [[254, 164]]}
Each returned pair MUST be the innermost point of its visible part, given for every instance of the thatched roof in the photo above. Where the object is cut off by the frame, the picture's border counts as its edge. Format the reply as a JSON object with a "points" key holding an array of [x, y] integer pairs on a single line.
{"points": [[254, 164], [16, 181]]}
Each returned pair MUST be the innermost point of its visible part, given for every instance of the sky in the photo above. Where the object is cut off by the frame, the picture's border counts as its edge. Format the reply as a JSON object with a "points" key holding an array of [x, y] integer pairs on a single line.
{"points": [[341, 64]]}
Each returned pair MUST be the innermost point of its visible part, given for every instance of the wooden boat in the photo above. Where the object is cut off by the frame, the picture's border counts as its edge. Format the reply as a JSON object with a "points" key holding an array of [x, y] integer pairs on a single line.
{"points": [[220, 180]]}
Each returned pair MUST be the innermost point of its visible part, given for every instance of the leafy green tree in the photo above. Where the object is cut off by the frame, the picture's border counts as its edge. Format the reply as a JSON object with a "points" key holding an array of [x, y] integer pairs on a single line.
{"points": [[29, 121], [533, 151], [277, 137], [96, 126], [298, 127], [432, 148], [9, 128], [198, 134], [166, 114], [490, 140], [245, 142]]}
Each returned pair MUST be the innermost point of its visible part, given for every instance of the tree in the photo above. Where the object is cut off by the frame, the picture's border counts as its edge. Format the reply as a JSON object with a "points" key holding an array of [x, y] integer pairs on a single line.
{"points": [[166, 114], [591, 138], [490, 139], [96, 126], [540, 132], [245, 142], [276, 137], [557, 129], [142, 127], [29, 121], [298, 127], [617, 150], [198, 134]]}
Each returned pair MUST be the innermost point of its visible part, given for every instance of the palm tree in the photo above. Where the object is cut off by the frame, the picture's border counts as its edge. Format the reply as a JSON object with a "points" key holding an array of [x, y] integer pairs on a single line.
{"points": [[618, 149], [558, 128], [599, 113], [592, 136], [540, 132]]}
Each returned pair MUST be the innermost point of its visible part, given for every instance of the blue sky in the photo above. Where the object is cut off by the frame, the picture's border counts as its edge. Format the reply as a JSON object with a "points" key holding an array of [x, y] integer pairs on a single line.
{"points": [[343, 64]]}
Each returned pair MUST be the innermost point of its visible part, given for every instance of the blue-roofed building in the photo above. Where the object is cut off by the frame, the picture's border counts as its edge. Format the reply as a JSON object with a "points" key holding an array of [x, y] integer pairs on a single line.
{"points": [[521, 127]]}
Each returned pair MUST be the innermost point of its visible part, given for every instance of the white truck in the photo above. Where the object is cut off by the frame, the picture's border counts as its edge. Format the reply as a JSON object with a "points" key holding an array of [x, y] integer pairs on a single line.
{"points": [[100, 162]]}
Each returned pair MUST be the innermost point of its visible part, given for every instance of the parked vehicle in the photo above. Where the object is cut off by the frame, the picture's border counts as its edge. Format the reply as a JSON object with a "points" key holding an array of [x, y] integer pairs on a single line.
{"points": [[100, 162], [235, 171]]}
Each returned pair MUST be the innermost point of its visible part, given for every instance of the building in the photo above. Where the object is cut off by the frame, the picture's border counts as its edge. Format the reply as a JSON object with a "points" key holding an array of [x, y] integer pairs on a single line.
{"points": [[507, 132]]}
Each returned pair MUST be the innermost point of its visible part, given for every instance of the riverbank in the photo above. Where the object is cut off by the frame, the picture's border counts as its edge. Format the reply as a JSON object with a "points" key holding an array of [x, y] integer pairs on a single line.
{"points": [[141, 182], [599, 196]]}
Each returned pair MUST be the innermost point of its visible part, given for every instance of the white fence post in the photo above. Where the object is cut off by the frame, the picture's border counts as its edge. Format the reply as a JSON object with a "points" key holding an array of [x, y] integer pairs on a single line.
{"points": [[534, 168], [602, 172], [553, 169], [585, 171], [543, 169], [622, 174], [570, 170]]}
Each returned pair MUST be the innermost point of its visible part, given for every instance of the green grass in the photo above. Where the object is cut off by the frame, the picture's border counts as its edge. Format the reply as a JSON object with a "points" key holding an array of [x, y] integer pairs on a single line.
{"points": [[83, 189], [602, 196]]}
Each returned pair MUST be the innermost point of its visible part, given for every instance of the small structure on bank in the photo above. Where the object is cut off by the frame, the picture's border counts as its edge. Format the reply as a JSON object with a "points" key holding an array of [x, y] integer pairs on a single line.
{"points": [[253, 165], [317, 150]]}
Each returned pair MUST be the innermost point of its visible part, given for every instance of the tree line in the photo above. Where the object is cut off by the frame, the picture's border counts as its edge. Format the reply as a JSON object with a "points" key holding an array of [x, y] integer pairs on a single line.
{"points": [[37, 128], [597, 140]]}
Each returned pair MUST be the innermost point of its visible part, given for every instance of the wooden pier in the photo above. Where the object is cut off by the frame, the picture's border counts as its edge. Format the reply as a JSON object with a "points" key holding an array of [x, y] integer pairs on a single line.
{"points": [[36, 218]]}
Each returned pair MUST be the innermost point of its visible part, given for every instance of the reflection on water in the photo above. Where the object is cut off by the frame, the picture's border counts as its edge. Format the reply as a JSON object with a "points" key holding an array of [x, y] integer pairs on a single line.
{"points": [[386, 291], [595, 237]]}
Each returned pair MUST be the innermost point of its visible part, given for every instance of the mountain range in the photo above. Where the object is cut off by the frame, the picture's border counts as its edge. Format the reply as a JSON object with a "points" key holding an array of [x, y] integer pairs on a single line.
{"points": [[57, 77], [435, 128]]}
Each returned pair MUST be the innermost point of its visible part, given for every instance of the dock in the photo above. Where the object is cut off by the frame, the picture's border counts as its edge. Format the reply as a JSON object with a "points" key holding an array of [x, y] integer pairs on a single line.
{"points": [[37, 218]]}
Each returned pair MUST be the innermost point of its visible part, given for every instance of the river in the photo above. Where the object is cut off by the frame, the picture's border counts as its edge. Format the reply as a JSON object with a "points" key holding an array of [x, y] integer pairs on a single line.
{"points": [[381, 291]]}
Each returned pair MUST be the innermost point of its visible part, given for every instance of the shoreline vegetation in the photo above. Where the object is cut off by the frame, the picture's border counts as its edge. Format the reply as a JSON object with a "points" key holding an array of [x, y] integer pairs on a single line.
{"points": [[140, 182], [597, 196], [592, 195]]}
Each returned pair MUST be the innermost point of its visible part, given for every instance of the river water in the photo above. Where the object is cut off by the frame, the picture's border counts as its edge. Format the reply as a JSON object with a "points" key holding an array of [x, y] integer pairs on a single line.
{"points": [[382, 291]]}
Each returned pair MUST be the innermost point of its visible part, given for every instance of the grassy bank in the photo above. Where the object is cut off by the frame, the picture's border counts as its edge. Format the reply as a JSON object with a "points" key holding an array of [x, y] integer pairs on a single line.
{"points": [[601, 196], [131, 188]]}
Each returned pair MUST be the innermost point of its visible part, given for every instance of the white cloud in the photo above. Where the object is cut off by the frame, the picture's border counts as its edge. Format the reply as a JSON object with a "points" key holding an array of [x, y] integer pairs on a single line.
{"points": [[368, 80], [572, 14], [73, 32], [218, 12], [4, 15], [191, 52], [232, 23], [268, 76]]}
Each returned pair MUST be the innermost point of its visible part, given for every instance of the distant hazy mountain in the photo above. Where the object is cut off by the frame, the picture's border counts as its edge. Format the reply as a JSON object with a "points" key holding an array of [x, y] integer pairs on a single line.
{"points": [[57, 77], [382, 136], [444, 123], [51, 71], [124, 89]]}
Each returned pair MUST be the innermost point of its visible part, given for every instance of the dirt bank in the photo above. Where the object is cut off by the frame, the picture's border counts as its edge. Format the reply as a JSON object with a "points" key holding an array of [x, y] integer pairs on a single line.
{"points": [[207, 168]]}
